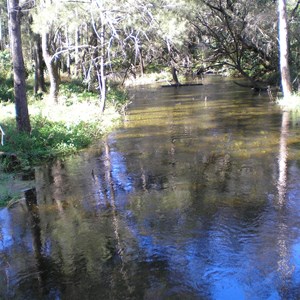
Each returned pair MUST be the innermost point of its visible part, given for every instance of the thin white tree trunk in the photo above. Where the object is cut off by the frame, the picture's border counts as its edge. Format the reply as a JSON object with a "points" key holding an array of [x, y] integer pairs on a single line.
{"points": [[284, 49], [52, 68]]}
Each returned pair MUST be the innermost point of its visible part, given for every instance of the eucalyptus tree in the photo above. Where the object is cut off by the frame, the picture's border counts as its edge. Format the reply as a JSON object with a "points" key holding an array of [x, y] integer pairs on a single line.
{"points": [[47, 26], [39, 78], [174, 31], [161, 33], [101, 36], [22, 115], [293, 15], [128, 30], [78, 31], [240, 35], [284, 48]]}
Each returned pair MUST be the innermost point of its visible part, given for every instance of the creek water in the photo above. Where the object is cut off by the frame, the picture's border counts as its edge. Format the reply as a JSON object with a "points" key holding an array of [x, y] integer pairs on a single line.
{"points": [[196, 196]]}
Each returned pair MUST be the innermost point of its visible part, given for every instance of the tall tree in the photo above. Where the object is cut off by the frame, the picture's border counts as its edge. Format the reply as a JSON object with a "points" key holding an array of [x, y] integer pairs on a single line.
{"points": [[284, 49], [238, 35], [39, 79], [48, 22], [52, 66], [22, 115]]}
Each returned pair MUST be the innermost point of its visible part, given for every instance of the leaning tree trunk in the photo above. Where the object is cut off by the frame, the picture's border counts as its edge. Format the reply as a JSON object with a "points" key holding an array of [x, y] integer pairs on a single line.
{"points": [[52, 68], [284, 49], [22, 115]]}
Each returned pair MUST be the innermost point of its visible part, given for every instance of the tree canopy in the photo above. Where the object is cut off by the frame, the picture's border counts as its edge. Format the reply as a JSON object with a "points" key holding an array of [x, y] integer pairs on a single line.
{"points": [[99, 41]]}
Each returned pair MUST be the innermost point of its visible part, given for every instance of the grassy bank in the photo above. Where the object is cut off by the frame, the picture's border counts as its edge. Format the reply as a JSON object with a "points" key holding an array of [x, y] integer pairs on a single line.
{"points": [[58, 130]]}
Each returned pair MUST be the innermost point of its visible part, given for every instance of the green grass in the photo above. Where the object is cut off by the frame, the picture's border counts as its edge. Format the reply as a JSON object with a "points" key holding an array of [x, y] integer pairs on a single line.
{"points": [[59, 129]]}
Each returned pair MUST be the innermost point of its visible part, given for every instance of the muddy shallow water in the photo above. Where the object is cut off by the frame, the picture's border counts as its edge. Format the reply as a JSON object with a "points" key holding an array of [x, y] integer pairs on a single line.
{"points": [[197, 196]]}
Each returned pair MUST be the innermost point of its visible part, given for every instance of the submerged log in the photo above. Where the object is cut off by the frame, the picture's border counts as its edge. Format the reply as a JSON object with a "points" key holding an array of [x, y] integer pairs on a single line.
{"points": [[181, 85], [255, 86]]}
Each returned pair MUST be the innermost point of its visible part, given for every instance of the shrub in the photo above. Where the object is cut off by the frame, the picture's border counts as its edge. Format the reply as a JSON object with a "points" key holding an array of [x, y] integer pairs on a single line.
{"points": [[48, 139], [60, 129], [6, 87], [117, 97]]}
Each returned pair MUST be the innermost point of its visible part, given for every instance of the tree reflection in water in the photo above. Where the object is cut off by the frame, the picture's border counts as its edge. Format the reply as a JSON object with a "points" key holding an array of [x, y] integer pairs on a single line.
{"points": [[177, 205], [285, 268], [109, 180], [282, 159]]}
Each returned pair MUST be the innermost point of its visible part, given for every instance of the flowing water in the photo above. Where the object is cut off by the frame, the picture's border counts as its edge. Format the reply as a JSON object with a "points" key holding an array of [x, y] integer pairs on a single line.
{"points": [[197, 196]]}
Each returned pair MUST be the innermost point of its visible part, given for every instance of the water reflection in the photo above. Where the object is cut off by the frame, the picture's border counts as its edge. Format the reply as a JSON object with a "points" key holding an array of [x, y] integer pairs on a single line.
{"points": [[282, 159], [191, 199]]}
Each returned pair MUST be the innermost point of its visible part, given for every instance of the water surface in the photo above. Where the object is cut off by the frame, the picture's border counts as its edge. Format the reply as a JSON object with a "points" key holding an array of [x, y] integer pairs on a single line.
{"points": [[195, 197]]}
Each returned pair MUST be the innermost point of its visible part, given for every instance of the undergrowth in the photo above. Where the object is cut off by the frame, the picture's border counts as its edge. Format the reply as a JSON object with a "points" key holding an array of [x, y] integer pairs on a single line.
{"points": [[58, 129]]}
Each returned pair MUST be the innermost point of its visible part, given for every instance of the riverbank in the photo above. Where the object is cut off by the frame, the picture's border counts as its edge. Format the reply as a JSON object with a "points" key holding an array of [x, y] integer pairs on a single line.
{"points": [[58, 130]]}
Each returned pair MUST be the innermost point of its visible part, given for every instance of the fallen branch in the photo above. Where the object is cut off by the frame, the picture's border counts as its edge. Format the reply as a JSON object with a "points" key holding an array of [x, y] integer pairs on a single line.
{"points": [[181, 85]]}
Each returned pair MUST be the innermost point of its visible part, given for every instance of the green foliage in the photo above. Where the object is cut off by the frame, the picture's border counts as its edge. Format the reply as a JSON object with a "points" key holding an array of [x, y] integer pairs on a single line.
{"points": [[5, 64], [61, 129], [76, 92], [153, 68], [48, 139], [6, 193], [6, 87], [72, 87], [5, 198], [6, 90], [117, 97]]}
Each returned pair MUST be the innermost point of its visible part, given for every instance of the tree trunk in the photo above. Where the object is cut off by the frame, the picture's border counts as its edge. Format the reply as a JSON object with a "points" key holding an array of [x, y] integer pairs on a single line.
{"points": [[52, 68], [39, 79], [68, 62], [1, 35], [77, 41], [22, 115], [174, 75], [284, 49], [142, 66], [101, 72]]}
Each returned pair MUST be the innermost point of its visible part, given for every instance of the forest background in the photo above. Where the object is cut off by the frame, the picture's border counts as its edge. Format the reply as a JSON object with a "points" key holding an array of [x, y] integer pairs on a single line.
{"points": [[64, 64]]}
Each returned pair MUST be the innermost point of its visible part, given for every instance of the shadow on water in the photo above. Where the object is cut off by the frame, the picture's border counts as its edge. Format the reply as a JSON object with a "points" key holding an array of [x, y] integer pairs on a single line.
{"points": [[195, 197]]}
